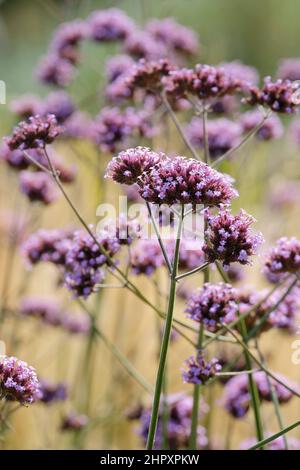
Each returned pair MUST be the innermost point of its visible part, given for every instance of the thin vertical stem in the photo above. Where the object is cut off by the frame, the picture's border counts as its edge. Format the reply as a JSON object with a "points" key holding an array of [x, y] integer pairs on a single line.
{"points": [[196, 400], [253, 388], [205, 136], [165, 340]]}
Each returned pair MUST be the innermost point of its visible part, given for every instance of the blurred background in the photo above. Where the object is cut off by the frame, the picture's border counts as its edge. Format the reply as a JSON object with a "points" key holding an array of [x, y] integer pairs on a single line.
{"points": [[257, 32]]}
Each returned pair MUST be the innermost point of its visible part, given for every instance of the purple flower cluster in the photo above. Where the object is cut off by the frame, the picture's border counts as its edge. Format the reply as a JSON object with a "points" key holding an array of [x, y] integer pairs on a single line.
{"points": [[204, 81], [289, 69], [212, 305], [229, 237], [174, 35], [271, 129], [38, 187], [51, 313], [85, 260], [148, 74], [284, 194], [66, 40], [37, 131], [283, 258], [237, 396], [199, 371], [280, 96], [141, 44], [245, 73], [113, 128], [18, 381], [74, 422], [109, 25], [181, 180], [52, 392], [128, 166], [48, 246], [26, 106], [180, 408], [117, 66], [222, 135], [53, 70], [146, 257]]}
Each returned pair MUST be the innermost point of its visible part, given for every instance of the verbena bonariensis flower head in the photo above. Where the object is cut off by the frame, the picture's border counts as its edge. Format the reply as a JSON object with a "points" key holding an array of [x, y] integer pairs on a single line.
{"points": [[109, 25], [174, 35], [204, 81], [148, 74], [289, 69], [84, 261], [36, 132], [212, 305], [18, 381], [14, 158], [38, 187], [146, 257], [237, 396], [59, 104], [180, 408], [117, 66], [141, 44], [229, 237], [199, 371], [272, 127], [280, 96], [67, 38], [26, 106], [181, 180], [283, 258], [245, 73], [41, 308], [53, 70], [74, 422], [48, 246], [113, 128], [52, 392], [128, 166], [222, 134], [125, 229]]}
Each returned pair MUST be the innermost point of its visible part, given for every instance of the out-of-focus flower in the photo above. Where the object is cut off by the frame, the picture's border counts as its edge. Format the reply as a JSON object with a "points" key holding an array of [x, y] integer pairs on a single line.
{"points": [[284, 194], [276, 444], [199, 371], [113, 128], [128, 166], [109, 25], [52, 392], [294, 131], [146, 257], [141, 44], [74, 422], [60, 105], [212, 305], [18, 381], [174, 35], [280, 96], [289, 69], [283, 258], [272, 127], [181, 180], [180, 408], [38, 187], [245, 73], [79, 126], [67, 38], [237, 396], [53, 70], [48, 246], [222, 135], [26, 106], [235, 273], [14, 158], [36, 132], [118, 65], [229, 237], [84, 261]]}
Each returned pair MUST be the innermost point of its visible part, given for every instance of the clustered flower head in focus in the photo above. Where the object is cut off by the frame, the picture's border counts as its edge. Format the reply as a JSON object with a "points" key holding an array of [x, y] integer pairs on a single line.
{"points": [[229, 237], [18, 381], [199, 371], [280, 96]]}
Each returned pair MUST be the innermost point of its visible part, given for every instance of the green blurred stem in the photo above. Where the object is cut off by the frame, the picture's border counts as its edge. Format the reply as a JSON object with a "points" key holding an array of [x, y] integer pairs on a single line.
{"points": [[165, 340], [253, 388], [196, 401]]}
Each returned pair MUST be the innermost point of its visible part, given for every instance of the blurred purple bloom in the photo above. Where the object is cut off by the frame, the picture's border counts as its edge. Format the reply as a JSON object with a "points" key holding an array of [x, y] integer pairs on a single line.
{"points": [[109, 25], [283, 258], [53, 70], [38, 187], [272, 128], [48, 246], [52, 392]]}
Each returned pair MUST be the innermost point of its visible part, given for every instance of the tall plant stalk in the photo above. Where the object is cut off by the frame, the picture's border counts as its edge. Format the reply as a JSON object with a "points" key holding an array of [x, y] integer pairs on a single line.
{"points": [[165, 340]]}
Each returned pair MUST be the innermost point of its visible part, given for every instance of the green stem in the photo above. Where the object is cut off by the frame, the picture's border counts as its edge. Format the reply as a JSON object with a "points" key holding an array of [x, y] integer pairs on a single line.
{"points": [[165, 340], [263, 442], [196, 400], [253, 389]]}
